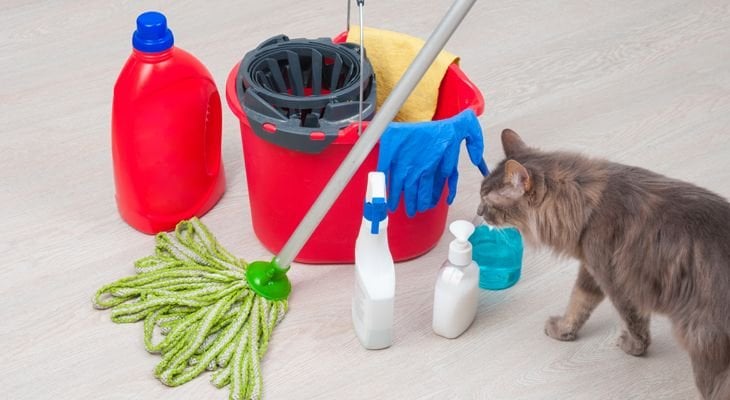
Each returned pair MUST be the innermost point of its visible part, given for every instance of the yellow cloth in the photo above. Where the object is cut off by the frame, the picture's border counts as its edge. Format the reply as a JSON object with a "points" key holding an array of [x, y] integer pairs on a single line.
{"points": [[390, 54]]}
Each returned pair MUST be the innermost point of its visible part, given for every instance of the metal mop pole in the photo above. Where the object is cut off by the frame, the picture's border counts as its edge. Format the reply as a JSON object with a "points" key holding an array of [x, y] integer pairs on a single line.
{"points": [[435, 42]]}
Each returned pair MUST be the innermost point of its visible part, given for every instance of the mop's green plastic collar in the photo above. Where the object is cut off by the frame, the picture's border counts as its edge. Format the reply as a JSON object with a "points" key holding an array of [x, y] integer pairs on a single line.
{"points": [[268, 279]]}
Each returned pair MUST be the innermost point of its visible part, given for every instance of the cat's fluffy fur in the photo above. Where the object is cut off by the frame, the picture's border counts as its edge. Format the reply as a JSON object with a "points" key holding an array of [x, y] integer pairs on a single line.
{"points": [[647, 242]]}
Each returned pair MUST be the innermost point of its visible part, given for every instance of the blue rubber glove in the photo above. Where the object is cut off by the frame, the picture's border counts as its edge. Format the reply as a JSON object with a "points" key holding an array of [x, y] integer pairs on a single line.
{"points": [[418, 159]]}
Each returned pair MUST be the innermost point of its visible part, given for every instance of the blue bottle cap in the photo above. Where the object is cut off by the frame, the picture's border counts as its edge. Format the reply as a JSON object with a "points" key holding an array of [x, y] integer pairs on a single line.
{"points": [[152, 35]]}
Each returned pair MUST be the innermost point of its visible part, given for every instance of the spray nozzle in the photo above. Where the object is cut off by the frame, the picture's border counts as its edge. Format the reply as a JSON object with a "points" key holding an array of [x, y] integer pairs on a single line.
{"points": [[460, 248], [375, 212], [375, 209]]}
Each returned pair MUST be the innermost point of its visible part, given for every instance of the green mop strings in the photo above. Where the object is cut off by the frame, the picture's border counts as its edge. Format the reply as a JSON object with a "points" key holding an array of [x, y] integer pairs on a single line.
{"points": [[196, 294]]}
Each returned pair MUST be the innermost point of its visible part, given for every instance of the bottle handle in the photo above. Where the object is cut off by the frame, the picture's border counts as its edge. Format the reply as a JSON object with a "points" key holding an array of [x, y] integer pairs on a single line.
{"points": [[213, 134]]}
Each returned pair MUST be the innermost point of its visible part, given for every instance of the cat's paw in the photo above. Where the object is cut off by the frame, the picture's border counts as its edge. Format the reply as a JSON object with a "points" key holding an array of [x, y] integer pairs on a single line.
{"points": [[633, 345], [557, 328]]}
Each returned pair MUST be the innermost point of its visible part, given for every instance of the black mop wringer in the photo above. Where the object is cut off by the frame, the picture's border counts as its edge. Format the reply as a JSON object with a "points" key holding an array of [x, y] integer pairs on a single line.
{"points": [[215, 311]]}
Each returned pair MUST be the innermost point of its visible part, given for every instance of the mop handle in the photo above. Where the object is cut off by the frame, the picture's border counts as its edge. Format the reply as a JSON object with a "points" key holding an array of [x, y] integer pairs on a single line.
{"points": [[435, 42]]}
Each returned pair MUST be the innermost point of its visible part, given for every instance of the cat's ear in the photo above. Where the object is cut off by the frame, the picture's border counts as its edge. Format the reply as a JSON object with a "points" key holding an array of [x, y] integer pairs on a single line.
{"points": [[517, 182], [516, 175], [512, 143]]}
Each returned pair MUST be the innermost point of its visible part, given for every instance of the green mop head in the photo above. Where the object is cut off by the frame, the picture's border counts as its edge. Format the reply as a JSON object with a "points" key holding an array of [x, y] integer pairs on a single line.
{"points": [[195, 294]]}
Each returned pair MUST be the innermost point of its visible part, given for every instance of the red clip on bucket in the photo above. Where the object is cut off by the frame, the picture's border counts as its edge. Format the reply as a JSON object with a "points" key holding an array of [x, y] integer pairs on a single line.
{"points": [[284, 183]]}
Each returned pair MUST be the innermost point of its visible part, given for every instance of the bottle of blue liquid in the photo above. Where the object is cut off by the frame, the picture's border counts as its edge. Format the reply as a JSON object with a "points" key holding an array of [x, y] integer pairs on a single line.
{"points": [[498, 253]]}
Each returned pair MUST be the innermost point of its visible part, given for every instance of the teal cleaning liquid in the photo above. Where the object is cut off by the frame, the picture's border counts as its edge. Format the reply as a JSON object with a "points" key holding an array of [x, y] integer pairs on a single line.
{"points": [[498, 253]]}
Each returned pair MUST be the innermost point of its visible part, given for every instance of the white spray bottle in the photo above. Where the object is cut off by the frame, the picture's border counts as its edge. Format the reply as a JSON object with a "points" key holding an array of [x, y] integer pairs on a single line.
{"points": [[456, 295], [372, 301]]}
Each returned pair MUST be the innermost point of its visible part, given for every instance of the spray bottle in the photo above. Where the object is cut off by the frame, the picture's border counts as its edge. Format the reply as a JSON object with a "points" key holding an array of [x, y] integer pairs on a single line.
{"points": [[372, 301], [456, 295]]}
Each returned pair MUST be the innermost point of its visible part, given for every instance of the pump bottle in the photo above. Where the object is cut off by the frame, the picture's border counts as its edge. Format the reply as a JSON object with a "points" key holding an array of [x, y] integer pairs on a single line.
{"points": [[456, 295], [372, 301]]}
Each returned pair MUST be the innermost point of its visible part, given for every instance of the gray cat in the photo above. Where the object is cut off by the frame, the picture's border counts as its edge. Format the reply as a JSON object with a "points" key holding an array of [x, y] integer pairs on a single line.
{"points": [[648, 242]]}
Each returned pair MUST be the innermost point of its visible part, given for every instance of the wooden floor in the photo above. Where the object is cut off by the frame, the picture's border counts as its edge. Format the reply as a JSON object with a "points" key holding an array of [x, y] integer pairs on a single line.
{"points": [[641, 82]]}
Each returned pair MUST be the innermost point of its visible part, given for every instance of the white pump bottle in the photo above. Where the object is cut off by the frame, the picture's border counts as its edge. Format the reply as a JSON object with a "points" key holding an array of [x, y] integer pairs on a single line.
{"points": [[372, 301], [456, 295]]}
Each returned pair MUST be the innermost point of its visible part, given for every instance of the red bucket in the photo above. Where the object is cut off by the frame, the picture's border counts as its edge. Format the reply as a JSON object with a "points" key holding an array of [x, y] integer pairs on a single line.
{"points": [[283, 184]]}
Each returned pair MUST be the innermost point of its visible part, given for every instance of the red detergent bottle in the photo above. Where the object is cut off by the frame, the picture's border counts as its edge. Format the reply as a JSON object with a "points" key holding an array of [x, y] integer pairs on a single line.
{"points": [[166, 132]]}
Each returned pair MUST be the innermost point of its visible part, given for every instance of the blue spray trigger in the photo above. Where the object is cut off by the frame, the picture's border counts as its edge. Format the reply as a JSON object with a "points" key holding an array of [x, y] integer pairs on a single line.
{"points": [[375, 212]]}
